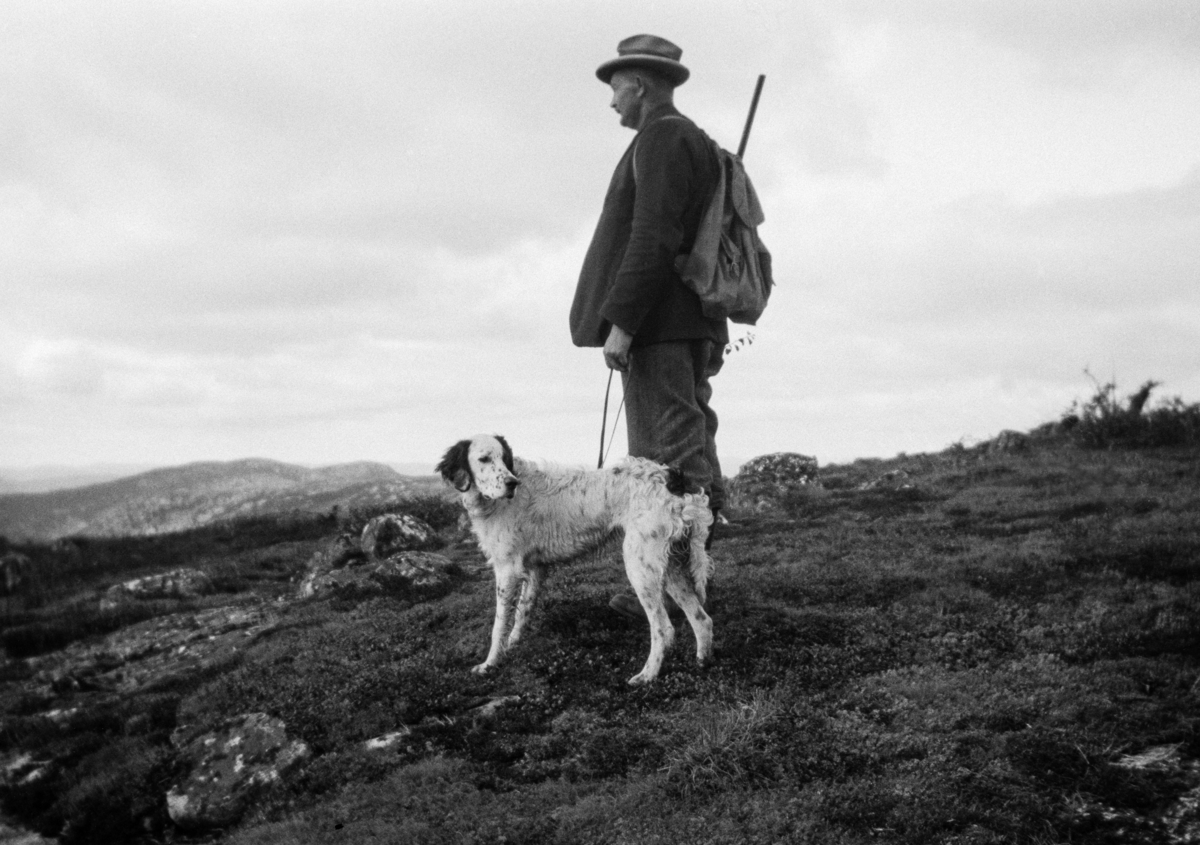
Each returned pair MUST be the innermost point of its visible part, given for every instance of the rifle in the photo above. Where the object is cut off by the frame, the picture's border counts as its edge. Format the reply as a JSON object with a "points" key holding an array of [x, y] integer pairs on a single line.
{"points": [[762, 77]]}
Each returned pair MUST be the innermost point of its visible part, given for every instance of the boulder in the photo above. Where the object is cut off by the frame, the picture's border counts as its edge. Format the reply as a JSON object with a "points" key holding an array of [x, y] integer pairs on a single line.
{"points": [[1007, 441], [771, 477], [231, 767], [14, 569], [176, 584], [385, 536], [420, 575]]}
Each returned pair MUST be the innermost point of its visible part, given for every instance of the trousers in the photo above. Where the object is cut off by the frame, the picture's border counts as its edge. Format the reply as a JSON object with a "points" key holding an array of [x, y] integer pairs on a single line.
{"points": [[668, 411]]}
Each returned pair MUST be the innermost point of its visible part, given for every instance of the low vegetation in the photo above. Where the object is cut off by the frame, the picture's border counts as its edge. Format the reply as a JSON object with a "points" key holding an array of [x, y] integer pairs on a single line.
{"points": [[976, 646]]}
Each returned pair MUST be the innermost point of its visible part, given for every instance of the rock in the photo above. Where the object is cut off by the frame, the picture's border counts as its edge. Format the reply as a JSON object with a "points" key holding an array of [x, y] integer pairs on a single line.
{"points": [[485, 711], [382, 743], [385, 536], [1008, 441], [17, 836], [489, 709], [176, 584], [407, 574], [14, 569], [769, 478], [896, 479], [154, 653], [230, 767], [20, 769]]}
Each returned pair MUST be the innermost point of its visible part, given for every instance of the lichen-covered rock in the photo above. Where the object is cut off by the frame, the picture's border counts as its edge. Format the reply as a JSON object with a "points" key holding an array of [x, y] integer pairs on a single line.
{"points": [[154, 653], [769, 478], [176, 584], [230, 767], [419, 575], [387, 535]]}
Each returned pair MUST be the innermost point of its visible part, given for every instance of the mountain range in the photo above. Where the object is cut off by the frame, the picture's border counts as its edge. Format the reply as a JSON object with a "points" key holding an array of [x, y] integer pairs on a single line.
{"points": [[178, 498]]}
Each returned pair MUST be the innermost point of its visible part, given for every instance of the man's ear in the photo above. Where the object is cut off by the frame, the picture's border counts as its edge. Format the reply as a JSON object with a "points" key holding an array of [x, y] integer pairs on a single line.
{"points": [[455, 468]]}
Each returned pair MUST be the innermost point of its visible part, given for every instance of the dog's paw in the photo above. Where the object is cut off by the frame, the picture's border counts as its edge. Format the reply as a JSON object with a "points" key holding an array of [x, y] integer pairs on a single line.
{"points": [[640, 679], [482, 668]]}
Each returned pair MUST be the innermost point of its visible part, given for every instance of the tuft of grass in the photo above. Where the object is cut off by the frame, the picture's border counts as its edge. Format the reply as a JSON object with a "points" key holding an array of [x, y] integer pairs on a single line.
{"points": [[729, 749]]}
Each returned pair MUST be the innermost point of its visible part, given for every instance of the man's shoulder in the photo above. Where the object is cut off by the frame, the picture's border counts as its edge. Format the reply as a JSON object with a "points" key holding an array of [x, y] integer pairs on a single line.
{"points": [[673, 129], [672, 123]]}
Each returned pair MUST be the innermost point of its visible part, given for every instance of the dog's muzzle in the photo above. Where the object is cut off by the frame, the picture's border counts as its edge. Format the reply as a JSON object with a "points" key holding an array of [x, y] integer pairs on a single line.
{"points": [[510, 487]]}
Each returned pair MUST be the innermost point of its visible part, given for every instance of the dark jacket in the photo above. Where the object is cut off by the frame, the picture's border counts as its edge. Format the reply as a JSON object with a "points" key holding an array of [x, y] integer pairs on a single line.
{"points": [[628, 276]]}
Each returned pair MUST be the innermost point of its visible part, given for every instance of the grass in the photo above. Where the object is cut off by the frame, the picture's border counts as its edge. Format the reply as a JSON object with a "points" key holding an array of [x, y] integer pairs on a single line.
{"points": [[968, 659]]}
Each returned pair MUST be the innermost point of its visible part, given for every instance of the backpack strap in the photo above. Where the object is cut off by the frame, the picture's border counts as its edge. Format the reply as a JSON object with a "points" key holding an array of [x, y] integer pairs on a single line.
{"points": [[644, 128]]}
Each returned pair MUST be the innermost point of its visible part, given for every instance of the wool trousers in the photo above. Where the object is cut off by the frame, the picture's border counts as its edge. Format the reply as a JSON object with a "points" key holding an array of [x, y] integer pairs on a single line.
{"points": [[668, 412]]}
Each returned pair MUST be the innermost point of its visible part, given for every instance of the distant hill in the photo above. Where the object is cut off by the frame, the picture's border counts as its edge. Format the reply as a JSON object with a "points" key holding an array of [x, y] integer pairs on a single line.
{"points": [[49, 477], [179, 498]]}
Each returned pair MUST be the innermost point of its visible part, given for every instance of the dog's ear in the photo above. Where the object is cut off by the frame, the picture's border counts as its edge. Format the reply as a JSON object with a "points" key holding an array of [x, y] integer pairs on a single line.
{"points": [[455, 468], [506, 452]]}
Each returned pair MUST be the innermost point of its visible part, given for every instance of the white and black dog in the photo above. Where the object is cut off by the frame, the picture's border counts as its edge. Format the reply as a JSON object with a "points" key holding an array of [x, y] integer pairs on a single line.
{"points": [[529, 517]]}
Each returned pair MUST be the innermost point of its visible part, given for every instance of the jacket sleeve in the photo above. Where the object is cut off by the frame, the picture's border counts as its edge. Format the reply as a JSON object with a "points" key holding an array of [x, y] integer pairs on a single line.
{"points": [[664, 174]]}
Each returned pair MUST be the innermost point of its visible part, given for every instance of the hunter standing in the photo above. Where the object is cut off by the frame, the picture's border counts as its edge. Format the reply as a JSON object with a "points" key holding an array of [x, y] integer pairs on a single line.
{"points": [[630, 300]]}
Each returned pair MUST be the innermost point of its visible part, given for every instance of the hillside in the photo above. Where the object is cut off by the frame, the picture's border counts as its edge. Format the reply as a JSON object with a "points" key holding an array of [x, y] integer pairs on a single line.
{"points": [[190, 496], [986, 646], [48, 478]]}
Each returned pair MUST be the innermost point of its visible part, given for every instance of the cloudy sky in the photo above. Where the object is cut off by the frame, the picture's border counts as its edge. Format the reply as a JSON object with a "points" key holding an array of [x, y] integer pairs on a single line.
{"points": [[322, 232]]}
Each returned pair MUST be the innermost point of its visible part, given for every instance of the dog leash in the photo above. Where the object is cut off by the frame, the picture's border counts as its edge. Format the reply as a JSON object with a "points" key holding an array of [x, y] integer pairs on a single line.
{"points": [[604, 421]]}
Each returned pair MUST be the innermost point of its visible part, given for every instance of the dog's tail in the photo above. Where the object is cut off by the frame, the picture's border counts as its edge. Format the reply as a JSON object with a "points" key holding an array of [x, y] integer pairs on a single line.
{"points": [[698, 519]]}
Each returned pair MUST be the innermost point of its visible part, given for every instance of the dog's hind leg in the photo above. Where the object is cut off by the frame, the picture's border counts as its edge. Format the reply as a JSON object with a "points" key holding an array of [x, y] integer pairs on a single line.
{"points": [[508, 575], [681, 588], [525, 604], [646, 568]]}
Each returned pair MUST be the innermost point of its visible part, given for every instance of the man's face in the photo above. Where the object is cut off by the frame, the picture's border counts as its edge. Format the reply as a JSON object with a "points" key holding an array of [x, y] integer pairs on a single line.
{"points": [[627, 98]]}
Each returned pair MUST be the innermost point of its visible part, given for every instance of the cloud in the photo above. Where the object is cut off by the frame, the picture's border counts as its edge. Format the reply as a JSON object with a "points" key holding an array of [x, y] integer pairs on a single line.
{"points": [[329, 231]]}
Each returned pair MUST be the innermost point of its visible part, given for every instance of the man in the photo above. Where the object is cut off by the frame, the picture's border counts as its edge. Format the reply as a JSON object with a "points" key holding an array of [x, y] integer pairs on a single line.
{"points": [[630, 300]]}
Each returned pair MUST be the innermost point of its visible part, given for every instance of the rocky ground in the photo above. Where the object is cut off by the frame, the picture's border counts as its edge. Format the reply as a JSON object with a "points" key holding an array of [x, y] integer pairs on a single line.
{"points": [[989, 645]]}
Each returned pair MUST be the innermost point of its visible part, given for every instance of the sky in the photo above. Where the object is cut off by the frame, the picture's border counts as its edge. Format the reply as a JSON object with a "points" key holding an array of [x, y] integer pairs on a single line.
{"points": [[334, 231]]}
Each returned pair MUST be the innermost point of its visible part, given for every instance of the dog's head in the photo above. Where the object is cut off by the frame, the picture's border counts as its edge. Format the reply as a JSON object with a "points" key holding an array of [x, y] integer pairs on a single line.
{"points": [[484, 462]]}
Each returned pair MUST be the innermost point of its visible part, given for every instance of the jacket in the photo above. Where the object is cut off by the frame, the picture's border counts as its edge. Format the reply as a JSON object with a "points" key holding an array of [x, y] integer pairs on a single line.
{"points": [[652, 210]]}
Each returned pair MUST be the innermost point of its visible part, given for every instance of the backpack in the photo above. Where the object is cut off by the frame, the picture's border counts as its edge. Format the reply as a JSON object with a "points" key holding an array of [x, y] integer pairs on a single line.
{"points": [[729, 268]]}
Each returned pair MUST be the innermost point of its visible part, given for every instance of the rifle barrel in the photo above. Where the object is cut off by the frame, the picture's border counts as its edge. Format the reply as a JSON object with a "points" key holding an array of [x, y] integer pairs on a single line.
{"points": [[762, 77]]}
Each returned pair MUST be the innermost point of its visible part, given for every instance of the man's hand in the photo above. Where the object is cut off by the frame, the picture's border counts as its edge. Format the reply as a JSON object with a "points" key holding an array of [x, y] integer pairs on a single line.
{"points": [[616, 349]]}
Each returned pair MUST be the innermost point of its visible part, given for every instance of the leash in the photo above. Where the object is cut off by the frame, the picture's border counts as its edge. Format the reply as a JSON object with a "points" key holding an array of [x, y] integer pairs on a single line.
{"points": [[604, 421]]}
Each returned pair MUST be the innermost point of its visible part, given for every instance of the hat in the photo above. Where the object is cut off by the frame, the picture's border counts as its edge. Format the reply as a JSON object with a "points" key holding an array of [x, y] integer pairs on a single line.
{"points": [[648, 51]]}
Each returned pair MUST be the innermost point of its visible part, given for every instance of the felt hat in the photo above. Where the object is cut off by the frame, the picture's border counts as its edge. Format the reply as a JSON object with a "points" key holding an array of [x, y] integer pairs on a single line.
{"points": [[648, 51]]}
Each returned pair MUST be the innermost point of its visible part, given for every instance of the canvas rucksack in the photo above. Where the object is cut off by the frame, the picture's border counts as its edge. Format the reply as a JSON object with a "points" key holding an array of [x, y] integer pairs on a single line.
{"points": [[729, 268]]}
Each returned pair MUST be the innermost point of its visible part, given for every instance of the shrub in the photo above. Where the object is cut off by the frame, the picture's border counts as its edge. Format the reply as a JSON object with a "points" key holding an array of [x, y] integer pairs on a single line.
{"points": [[115, 795], [1104, 422]]}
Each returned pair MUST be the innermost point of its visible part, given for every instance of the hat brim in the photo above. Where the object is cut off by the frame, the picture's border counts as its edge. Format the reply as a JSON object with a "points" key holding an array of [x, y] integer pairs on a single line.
{"points": [[672, 70]]}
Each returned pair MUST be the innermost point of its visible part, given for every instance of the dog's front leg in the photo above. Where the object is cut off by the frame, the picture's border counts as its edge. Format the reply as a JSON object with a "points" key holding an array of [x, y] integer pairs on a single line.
{"points": [[525, 605], [507, 577]]}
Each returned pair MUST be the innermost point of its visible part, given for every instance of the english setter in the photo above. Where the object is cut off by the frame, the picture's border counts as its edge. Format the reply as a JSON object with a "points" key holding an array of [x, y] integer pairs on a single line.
{"points": [[529, 517]]}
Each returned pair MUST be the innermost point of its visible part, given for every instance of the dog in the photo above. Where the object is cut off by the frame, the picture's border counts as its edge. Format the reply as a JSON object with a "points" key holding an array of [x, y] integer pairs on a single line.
{"points": [[530, 517]]}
